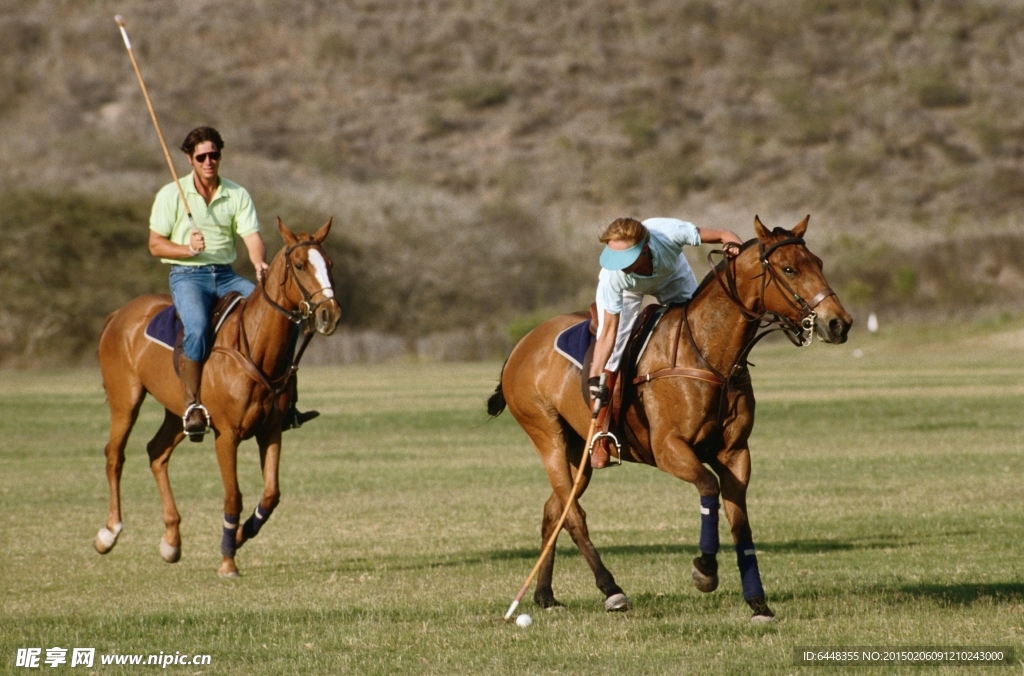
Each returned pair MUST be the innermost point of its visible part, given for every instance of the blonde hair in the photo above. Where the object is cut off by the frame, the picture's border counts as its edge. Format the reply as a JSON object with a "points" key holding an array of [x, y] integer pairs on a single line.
{"points": [[625, 230]]}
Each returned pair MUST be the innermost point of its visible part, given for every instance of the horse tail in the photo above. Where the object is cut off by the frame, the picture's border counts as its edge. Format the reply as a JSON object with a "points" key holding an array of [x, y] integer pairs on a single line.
{"points": [[496, 402]]}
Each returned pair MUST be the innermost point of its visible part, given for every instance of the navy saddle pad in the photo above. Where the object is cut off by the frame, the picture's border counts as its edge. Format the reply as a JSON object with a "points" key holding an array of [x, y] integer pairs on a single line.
{"points": [[573, 342], [164, 328]]}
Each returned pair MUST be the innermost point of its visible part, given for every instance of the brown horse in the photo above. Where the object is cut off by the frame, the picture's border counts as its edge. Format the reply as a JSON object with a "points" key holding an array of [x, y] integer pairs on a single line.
{"points": [[246, 386], [692, 404]]}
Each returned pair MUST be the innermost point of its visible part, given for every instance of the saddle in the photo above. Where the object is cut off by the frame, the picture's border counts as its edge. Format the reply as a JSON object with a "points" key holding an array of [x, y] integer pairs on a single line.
{"points": [[166, 329]]}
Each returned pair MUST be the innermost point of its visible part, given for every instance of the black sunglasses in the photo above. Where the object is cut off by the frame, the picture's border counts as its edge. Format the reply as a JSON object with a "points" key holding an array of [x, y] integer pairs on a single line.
{"points": [[214, 155]]}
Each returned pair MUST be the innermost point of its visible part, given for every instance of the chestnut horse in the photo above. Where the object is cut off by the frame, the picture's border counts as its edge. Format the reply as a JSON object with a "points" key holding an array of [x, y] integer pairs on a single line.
{"points": [[246, 386], [692, 406]]}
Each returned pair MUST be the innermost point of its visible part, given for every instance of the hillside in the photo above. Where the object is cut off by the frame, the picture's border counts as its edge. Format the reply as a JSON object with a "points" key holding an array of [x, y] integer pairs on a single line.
{"points": [[470, 151]]}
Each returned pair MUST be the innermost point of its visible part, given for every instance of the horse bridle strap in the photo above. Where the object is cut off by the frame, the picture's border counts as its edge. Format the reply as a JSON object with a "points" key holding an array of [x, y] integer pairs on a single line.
{"points": [[240, 353], [305, 307]]}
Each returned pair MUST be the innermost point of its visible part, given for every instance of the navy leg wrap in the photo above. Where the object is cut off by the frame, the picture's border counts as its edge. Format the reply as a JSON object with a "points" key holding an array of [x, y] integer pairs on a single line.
{"points": [[709, 524], [255, 522], [227, 541], [750, 576]]}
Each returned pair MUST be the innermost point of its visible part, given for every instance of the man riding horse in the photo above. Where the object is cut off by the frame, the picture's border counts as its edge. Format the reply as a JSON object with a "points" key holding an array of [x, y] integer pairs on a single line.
{"points": [[640, 259], [201, 257]]}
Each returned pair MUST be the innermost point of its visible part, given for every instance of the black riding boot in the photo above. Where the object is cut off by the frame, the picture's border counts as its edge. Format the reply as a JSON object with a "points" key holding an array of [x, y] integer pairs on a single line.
{"points": [[293, 418], [196, 419]]}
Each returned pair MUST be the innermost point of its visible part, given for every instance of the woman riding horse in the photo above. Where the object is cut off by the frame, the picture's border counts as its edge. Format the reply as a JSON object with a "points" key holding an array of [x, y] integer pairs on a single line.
{"points": [[640, 259], [691, 408]]}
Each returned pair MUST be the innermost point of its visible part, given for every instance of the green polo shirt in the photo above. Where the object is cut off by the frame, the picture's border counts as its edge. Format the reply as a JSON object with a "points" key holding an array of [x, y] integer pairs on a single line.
{"points": [[229, 214]]}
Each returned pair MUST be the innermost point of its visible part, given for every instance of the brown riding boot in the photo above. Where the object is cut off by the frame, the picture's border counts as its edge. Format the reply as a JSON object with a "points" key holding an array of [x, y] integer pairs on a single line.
{"points": [[196, 419], [599, 455]]}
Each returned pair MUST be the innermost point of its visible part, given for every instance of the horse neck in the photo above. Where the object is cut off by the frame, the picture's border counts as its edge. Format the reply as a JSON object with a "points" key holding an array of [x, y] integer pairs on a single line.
{"points": [[267, 331], [719, 328]]}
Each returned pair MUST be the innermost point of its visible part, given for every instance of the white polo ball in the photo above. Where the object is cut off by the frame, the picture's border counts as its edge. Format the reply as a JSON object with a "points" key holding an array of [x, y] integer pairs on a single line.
{"points": [[524, 621]]}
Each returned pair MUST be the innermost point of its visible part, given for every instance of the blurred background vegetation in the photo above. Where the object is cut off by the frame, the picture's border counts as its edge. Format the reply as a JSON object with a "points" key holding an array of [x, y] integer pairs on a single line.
{"points": [[470, 151]]}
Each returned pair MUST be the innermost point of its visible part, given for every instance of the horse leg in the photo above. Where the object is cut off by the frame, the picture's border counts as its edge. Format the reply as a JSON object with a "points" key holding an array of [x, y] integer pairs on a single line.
{"points": [[566, 444], [125, 400], [159, 449], [680, 461], [733, 468], [227, 458], [270, 456]]}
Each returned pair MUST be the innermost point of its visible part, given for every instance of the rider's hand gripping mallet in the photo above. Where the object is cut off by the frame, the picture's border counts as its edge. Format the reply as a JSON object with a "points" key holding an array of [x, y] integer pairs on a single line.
{"points": [[152, 113], [598, 404]]}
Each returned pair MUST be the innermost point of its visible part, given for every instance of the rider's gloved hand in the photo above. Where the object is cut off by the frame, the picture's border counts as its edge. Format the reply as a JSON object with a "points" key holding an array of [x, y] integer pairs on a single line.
{"points": [[598, 390]]}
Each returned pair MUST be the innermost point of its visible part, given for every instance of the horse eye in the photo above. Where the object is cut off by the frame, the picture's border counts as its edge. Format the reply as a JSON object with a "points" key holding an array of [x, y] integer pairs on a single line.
{"points": [[298, 266], [789, 271]]}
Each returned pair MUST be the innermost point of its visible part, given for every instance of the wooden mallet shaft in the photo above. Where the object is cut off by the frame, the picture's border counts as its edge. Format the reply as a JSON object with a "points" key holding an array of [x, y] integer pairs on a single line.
{"points": [[152, 113], [565, 511]]}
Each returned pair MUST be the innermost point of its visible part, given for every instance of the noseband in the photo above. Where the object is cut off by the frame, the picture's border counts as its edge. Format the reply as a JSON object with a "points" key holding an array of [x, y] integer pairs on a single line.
{"points": [[799, 332], [306, 308]]}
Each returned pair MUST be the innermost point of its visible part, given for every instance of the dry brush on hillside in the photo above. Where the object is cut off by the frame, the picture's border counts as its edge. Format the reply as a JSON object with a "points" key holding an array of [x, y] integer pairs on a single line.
{"points": [[470, 150]]}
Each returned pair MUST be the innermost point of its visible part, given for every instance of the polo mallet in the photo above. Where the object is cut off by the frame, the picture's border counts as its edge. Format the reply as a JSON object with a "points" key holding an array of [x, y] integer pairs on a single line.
{"points": [[568, 505], [152, 113]]}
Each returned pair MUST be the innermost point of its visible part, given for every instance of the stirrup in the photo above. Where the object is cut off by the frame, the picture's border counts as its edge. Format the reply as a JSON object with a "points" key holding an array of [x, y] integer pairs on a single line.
{"points": [[195, 436], [612, 459]]}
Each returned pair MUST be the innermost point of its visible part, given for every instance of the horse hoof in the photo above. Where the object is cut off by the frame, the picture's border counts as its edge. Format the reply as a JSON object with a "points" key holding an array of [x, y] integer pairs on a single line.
{"points": [[106, 538], [169, 553], [228, 570], [762, 613], [617, 603], [704, 583]]}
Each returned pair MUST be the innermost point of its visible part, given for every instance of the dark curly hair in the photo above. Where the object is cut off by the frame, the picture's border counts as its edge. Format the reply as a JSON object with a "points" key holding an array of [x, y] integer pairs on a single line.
{"points": [[200, 135]]}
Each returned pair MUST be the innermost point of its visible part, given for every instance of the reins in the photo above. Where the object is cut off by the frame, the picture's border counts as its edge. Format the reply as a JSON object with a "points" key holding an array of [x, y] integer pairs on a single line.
{"points": [[799, 332], [305, 310]]}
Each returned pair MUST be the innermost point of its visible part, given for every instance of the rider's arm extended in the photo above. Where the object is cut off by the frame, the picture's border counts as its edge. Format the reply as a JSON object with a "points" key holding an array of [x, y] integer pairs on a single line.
{"points": [[712, 236], [605, 342], [257, 253]]}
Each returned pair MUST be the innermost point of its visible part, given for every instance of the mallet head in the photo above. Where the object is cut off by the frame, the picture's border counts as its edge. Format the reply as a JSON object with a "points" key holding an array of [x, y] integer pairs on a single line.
{"points": [[120, 20]]}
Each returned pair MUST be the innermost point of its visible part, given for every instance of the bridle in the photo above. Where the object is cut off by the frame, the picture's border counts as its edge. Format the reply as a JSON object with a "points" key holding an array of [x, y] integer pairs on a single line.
{"points": [[306, 308], [800, 332], [301, 316]]}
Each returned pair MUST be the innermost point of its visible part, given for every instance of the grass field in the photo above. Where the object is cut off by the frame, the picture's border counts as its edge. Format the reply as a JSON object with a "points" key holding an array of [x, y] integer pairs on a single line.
{"points": [[886, 506]]}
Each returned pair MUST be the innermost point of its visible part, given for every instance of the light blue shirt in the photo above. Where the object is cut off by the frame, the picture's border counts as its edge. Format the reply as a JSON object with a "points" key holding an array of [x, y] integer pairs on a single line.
{"points": [[672, 280]]}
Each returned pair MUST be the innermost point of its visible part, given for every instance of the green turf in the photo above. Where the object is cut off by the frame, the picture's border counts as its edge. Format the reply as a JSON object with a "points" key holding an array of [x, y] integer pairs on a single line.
{"points": [[885, 504]]}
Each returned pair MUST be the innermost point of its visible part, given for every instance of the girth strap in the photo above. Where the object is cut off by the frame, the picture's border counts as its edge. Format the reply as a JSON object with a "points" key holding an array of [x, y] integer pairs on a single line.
{"points": [[696, 374], [682, 372]]}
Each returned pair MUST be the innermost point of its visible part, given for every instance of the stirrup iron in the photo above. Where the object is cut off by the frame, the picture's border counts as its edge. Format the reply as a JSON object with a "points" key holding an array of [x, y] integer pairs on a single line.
{"points": [[196, 436], [612, 459]]}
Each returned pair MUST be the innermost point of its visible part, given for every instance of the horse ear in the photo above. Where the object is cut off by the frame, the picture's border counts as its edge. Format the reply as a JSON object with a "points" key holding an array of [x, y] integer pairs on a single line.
{"points": [[321, 234], [761, 231], [801, 227], [289, 237]]}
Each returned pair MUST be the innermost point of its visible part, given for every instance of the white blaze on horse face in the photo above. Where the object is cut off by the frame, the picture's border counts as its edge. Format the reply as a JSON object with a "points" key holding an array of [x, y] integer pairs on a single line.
{"points": [[320, 268]]}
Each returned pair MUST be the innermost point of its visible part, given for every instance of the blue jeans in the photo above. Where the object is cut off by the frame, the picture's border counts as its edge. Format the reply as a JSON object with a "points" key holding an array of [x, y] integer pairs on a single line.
{"points": [[195, 289]]}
